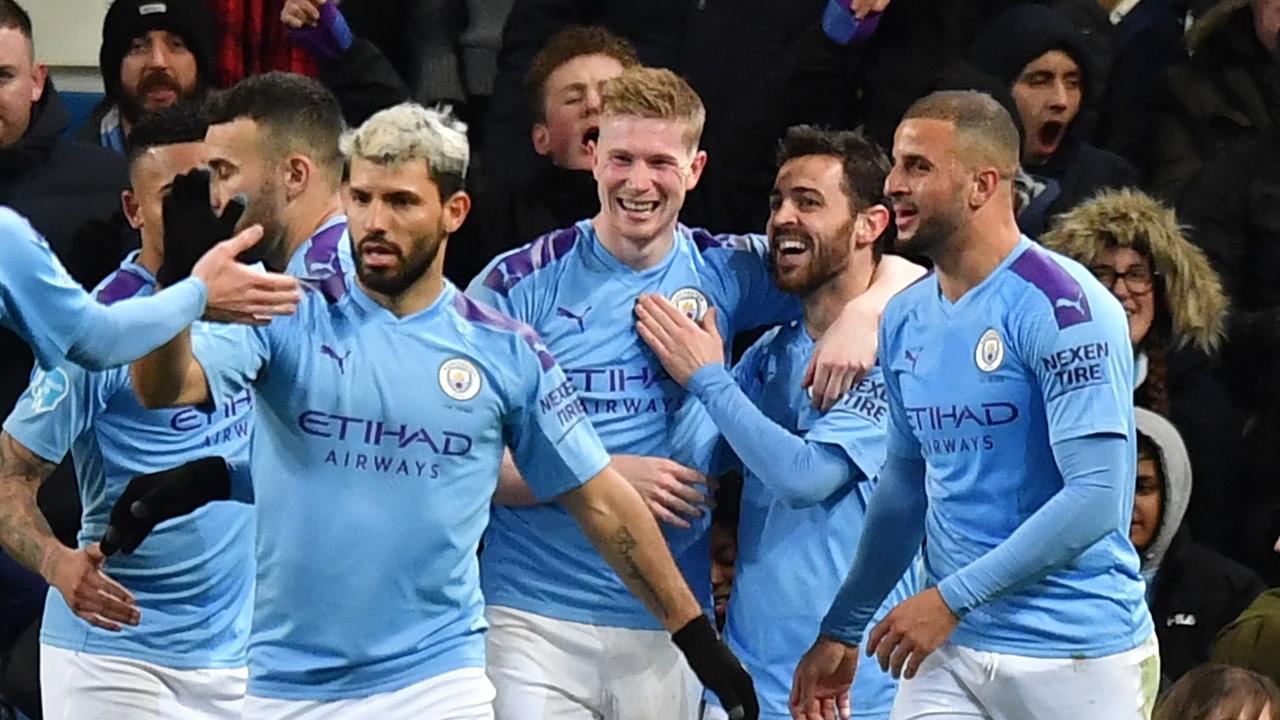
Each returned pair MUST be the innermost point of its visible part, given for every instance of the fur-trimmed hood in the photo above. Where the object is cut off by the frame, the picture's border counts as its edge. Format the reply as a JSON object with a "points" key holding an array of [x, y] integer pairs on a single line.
{"points": [[1213, 22], [1193, 293]]}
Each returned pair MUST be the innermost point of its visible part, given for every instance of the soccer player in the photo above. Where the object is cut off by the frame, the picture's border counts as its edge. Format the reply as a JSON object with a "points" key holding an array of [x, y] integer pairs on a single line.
{"points": [[807, 475], [382, 411], [1010, 448], [273, 139], [166, 636], [42, 304], [566, 638]]}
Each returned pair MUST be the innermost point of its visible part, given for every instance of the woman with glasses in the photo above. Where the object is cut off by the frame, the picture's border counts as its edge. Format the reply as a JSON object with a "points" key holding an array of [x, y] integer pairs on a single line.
{"points": [[1177, 318]]}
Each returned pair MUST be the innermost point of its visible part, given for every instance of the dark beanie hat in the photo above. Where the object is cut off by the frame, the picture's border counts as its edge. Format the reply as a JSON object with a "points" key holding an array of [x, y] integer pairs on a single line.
{"points": [[1023, 33], [130, 19]]}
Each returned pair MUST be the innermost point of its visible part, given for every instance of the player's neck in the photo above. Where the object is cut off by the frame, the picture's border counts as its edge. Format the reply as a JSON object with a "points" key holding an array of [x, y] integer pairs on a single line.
{"points": [[824, 305], [151, 257], [974, 252], [417, 297], [635, 255], [308, 214]]}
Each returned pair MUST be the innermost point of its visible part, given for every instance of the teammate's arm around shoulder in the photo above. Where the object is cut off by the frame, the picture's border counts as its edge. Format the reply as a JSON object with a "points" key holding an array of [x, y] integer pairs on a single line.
{"points": [[170, 376], [615, 519]]}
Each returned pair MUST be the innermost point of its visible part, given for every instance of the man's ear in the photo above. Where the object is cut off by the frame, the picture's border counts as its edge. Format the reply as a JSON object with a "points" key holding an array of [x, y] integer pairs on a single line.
{"points": [[870, 224], [455, 210], [541, 136], [983, 186], [132, 209], [695, 170], [39, 73], [299, 172]]}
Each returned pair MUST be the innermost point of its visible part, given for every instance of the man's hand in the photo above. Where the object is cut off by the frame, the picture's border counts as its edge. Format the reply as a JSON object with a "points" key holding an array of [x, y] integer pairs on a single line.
{"points": [[191, 227], [238, 293], [912, 630], [151, 499], [862, 8], [670, 489], [318, 26], [91, 595], [846, 352], [682, 345], [820, 687], [717, 668]]}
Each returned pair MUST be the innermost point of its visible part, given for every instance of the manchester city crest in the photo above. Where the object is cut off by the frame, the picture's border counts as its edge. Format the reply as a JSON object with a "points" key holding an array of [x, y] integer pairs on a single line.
{"points": [[691, 302], [459, 379], [990, 351]]}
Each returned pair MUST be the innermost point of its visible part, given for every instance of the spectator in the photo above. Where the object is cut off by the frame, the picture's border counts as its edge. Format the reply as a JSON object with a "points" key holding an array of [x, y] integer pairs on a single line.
{"points": [[153, 55], [1045, 63], [1252, 641], [1220, 692], [1177, 315], [1193, 592], [1227, 91]]}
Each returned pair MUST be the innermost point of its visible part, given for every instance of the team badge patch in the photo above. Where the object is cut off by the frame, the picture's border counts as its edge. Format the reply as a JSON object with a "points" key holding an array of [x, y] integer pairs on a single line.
{"points": [[49, 389], [990, 351], [691, 302], [459, 379]]}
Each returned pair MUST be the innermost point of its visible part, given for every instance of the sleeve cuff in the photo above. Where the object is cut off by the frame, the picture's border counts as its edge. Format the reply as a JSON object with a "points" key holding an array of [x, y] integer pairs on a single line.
{"points": [[956, 596]]}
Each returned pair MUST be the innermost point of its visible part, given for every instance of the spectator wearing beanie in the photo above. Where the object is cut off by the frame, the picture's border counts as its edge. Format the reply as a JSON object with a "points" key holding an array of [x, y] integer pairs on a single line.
{"points": [[154, 53], [1177, 314], [1043, 60]]}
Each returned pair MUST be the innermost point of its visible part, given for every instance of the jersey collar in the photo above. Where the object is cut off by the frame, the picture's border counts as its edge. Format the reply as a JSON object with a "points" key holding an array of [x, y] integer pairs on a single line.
{"points": [[616, 266]]}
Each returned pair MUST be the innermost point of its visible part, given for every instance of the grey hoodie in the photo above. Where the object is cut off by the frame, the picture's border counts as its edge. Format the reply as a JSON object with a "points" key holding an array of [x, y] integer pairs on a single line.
{"points": [[1177, 483]]}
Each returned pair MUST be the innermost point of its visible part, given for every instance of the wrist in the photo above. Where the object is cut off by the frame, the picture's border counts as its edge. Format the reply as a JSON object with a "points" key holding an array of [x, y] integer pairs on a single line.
{"points": [[706, 379], [51, 560]]}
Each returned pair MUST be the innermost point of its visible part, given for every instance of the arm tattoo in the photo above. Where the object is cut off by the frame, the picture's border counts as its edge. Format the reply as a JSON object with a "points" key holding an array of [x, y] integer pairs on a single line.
{"points": [[624, 546], [24, 532]]}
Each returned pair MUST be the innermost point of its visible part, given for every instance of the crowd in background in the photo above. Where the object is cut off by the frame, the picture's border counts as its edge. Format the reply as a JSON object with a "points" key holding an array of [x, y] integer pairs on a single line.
{"points": [[1151, 154]]}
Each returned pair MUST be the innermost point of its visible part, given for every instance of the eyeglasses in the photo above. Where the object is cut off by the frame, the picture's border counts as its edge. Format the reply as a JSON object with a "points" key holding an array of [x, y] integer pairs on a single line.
{"points": [[1138, 278]]}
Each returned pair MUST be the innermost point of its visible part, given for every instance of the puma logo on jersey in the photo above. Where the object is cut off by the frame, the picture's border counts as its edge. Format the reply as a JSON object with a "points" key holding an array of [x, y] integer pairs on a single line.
{"points": [[341, 360], [565, 312]]}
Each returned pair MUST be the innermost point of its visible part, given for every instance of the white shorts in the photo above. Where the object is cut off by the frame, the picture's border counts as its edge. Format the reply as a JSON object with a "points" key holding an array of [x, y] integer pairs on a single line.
{"points": [[464, 694], [956, 683], [548, 669], [83, 686]]}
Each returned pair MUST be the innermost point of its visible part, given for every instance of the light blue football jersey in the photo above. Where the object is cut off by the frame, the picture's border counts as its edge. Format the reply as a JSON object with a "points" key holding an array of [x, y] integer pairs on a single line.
{"points": [[376, 449], [793, 560], [192, 576], [1038, 352], [580, 299]]}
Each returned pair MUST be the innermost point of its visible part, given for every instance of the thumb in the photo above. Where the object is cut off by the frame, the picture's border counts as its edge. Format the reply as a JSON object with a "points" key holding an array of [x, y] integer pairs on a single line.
{"points": [[708, 321], [231, 214], [809, 371], [244, 240], [94, 553]]}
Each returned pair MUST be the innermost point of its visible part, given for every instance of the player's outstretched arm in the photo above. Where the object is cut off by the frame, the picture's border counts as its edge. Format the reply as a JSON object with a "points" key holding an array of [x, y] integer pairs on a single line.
{"points": [[171, 376], [26, 536], [615, 519], [847, 350]]}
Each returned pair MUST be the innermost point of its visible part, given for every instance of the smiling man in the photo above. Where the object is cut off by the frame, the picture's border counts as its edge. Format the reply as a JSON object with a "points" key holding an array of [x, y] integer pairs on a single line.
{"points": [[1008, 378], [807, 475], [1044, 61]]}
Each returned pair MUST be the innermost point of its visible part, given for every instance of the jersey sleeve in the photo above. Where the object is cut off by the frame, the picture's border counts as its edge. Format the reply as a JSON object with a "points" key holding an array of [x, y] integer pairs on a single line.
{"points": [[42, 303], [232, 355], [56, 408], [856, 424], [742, 266], [1084, 367], [496, 286], [551, 439]]}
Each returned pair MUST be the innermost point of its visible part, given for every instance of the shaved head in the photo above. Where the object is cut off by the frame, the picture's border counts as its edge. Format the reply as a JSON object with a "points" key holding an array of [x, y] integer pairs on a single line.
{"points": [[986, 135]]}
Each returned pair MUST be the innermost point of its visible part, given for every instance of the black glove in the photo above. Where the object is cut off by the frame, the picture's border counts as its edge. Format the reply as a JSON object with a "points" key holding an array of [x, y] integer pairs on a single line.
{"points": [[717, 668], [190, 225], [151, 499]]}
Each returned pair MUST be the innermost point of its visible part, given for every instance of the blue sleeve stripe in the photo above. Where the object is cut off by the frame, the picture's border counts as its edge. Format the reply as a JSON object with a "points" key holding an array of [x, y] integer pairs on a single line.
{"points": [[704, 240], [1065, 294], [478, 314], [525, 261]]}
